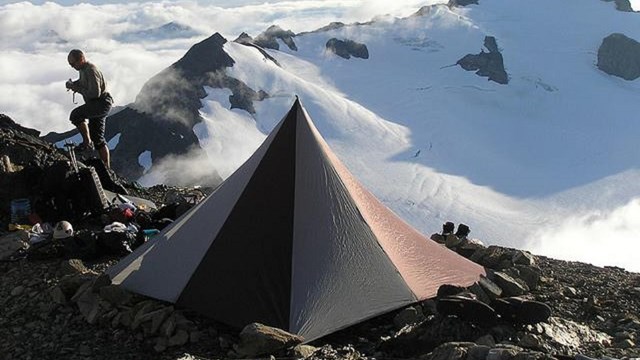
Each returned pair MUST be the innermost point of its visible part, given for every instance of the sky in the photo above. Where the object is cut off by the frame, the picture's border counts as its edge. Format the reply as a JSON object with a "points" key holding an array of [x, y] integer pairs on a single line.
{"points": [[573, 216]]}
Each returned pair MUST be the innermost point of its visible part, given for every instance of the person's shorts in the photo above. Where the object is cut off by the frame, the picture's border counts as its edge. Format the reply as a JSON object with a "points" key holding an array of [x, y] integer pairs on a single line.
{"points": [[96, 112]]}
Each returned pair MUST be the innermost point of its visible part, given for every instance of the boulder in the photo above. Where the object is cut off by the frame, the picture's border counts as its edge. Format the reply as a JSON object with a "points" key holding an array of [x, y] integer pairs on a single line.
{"points": [[509, 285], [489, 64], [451, 351], [268, 39], [408, 316], [461, 3], [521, 257], [257, 339], [303, 351], [530, 275], [73, 267], [492, 290], [13, 242], [622, 5], [619, 55], [180, 338], [502, 353], [115, 295], [347, 48]]}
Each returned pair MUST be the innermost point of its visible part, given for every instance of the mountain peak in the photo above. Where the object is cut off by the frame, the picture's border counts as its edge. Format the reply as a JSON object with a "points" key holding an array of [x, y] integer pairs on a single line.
{"points": [[205, 56]]}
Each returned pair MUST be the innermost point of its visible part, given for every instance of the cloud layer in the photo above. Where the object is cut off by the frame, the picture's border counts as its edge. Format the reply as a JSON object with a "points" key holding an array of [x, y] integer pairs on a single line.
{"points": [[36, 37], [612, 235]]}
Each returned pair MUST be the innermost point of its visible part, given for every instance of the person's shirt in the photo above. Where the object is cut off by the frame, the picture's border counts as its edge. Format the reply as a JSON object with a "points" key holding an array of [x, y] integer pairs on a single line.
{"points": [[91, 84]]}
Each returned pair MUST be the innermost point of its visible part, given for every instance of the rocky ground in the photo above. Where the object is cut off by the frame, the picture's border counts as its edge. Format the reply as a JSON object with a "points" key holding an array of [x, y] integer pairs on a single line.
{"points": [[58, 307], [595, 313]]}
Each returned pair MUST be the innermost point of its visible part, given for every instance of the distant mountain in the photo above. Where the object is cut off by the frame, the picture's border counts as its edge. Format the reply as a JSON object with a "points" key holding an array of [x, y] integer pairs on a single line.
{"points": [[171, 30], [52, 37]]}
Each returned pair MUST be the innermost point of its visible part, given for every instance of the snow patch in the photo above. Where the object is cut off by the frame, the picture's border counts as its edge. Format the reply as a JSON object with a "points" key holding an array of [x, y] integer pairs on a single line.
{"points": [[114, 141], [144, 159]]}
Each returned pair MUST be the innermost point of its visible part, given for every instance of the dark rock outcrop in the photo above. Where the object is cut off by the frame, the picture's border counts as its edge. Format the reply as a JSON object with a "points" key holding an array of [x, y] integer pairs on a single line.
{"points": [[488, 64], [247, 40], [622, 5], [619, 55], [23, 158], [347, 48], [461, 3], [269, 38]]}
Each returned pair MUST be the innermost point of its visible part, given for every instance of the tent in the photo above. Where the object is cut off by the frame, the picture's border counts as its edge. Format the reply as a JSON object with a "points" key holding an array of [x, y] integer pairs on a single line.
{"points": [[292, 240]]}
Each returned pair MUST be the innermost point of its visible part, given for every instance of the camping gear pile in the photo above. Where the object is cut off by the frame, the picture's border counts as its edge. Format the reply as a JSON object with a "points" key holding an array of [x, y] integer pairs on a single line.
{"points": [[64, 206]]}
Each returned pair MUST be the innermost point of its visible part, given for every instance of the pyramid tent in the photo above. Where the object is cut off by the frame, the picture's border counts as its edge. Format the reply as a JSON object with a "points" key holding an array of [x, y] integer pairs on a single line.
{"points": [[292, 240]]}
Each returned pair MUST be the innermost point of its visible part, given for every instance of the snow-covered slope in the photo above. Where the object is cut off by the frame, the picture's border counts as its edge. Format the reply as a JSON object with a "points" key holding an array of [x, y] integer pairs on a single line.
{"points": [[517, 162]]}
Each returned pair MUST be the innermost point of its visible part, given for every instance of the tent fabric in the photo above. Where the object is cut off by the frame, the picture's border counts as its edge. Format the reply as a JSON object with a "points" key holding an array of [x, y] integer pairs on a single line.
{"points": [[292, 240]]}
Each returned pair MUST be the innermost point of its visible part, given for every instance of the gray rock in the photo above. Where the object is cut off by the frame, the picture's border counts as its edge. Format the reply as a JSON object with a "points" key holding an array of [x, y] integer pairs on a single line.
{"points": [[626, 344], [257, 339], [71, 283], [502, 353], [509, 285], [530, 275], [479, 292], [161, 344], [180, 338], [489, 64], [491, 288], [622, 5], [89, 305], [469, 247], [347, 48], [478, 352], [303, 351], [533, 355], [101, 281], [571, 334], [570, 292], [494, 257], [452, 241], [531, 341], [17, 291], [72, 267], [487, 340], [168, 326], [521, 257], [12, 242], [451, 351], [619, 55], [115, 294], [57, 295], [154, 318], [268, 39], [461, 3], [195, 336], [408, 316]]}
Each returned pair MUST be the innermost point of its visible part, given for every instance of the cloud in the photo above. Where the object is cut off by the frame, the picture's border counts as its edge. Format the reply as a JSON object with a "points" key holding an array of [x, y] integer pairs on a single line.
{"points": [[599, 237], [35, 40], [185, 170]]}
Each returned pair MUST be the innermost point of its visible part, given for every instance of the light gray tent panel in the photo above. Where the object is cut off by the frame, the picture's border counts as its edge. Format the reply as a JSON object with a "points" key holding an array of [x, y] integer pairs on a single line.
{"points": [[177, 251], [341, 275]]}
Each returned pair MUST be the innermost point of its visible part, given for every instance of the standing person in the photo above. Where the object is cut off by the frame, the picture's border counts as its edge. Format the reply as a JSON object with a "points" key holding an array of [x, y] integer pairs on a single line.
{"points": [[90, 118]]}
